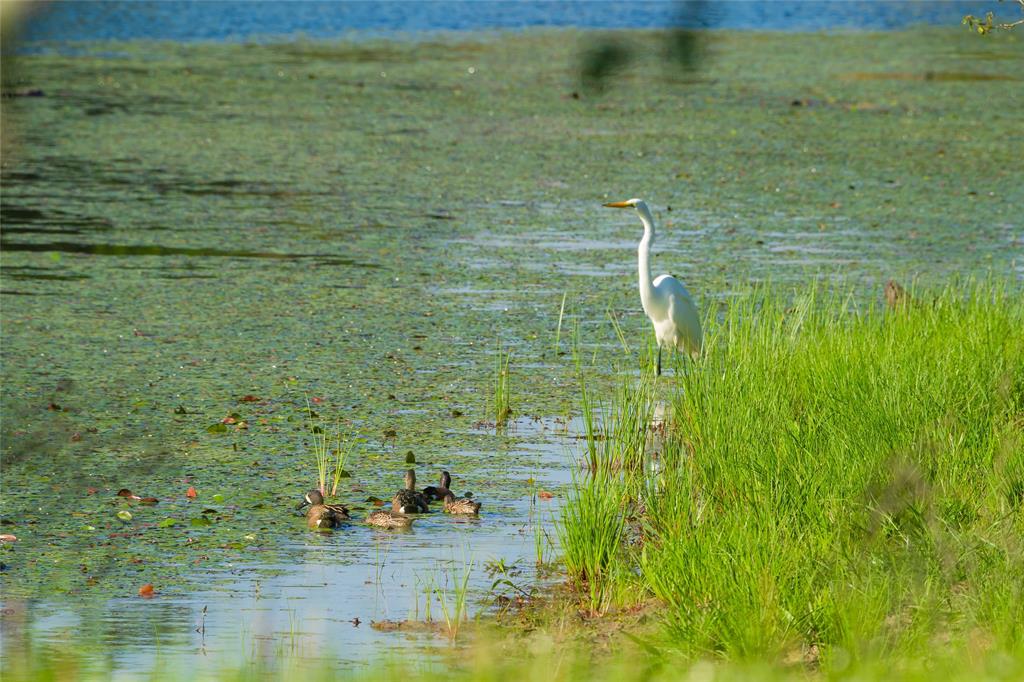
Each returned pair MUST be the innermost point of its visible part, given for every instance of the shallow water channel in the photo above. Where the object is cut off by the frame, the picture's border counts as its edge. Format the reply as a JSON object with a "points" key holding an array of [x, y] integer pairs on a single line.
{"points": [[207, 232]]}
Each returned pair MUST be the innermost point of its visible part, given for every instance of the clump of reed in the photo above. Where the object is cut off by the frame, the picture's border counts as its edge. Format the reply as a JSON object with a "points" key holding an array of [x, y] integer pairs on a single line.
{"points": [[330, 461], [452, 598], [502, 388]]}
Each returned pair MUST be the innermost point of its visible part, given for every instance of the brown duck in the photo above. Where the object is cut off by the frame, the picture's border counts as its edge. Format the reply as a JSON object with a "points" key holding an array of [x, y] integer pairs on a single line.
{"points": [[382, 518], [320, 515], [438, 493], [408, 500], [462, 505]]}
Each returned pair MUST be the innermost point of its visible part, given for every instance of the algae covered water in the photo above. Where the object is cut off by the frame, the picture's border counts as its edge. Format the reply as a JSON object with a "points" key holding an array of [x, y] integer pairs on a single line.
{"points": [[197, 239]]}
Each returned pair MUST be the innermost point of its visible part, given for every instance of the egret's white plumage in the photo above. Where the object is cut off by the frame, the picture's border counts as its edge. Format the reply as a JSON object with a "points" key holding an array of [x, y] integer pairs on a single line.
{"points": [[666, 301]]}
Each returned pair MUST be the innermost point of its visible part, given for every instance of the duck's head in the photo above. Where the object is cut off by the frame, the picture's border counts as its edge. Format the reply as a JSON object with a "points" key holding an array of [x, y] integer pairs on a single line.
{"points": [[446, 479], [314, 496], [410, 479]]}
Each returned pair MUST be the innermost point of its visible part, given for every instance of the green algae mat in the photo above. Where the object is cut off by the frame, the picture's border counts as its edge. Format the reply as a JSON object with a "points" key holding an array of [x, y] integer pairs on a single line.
{"points": [[196, 239]]}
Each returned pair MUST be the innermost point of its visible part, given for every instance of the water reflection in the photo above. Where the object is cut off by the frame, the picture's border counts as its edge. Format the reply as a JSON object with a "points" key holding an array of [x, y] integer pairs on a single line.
{"points": [[323, 602]]}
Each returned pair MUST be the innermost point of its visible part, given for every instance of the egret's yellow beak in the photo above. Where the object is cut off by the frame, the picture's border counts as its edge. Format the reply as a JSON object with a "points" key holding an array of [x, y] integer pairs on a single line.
{"points": [[619, 204]]}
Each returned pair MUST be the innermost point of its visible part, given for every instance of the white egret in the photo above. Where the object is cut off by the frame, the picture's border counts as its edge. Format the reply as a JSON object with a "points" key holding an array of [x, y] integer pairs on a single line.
{"points": [[666, 302]]}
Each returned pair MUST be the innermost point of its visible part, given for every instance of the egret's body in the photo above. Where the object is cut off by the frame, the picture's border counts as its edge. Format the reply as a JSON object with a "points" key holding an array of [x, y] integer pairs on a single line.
{"points": [[666, 301]]}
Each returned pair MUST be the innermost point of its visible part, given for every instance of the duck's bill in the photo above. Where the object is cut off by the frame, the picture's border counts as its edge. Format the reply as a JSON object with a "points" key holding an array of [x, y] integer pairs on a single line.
{"points": [[618, 204], [304, 503]]}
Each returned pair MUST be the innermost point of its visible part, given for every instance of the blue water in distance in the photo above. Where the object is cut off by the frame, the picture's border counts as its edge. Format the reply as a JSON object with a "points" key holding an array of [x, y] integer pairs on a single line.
{"points": [[192, 20]]}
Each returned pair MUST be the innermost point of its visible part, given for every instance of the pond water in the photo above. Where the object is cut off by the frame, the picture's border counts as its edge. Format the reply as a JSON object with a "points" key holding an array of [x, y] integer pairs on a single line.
{"points": [[210, 231], [93, 20]]}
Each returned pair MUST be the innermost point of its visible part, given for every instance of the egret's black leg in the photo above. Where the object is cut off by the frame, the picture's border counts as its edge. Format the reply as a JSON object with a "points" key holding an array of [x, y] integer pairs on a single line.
{"points": [[659, 360]]}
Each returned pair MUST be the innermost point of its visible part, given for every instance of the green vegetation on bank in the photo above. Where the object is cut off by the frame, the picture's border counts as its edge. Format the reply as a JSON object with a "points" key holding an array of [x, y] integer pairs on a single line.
{"points": [[836, 484]]}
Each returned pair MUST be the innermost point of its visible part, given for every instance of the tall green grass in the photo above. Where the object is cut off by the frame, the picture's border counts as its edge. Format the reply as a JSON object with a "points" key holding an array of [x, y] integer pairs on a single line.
{"points": [[330, 462], [838, 480], [502, 388], [453, 606], [594, 524]]}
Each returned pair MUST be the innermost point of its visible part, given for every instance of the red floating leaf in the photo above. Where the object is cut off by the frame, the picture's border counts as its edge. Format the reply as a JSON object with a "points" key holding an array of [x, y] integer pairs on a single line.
{"points": [[544, 494], [146, 591], [249, 398], [315, 400], [6, 537], [191, 492], [228, 420]]}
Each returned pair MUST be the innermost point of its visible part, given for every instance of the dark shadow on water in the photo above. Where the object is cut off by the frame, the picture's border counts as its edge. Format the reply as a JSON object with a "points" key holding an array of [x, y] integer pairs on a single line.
{"points": [[45, 276], [602, 60], [26, 220], [156, 250], [12, 292], [682, 49], [684, 45]]}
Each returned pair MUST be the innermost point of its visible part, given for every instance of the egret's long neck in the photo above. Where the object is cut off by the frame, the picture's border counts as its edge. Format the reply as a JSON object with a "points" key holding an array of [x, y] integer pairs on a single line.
{"points": [[644, 258]]}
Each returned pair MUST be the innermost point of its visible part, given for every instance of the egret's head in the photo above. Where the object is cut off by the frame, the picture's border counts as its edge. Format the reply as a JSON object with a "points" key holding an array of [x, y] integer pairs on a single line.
{"points": [[638, 204]]}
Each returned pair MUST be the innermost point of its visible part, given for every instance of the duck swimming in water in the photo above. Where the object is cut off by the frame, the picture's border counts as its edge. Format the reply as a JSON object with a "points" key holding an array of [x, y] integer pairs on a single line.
{"points": [[322, 515], [438, 493], [382, 518], [462, 505], [408, 500]]}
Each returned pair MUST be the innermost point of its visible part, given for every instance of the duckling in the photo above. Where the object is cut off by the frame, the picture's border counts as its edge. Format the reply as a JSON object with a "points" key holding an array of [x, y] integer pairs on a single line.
{"points": [[322, 515], [438, 493], [383, 518], [462, 505], [407, 500]]}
